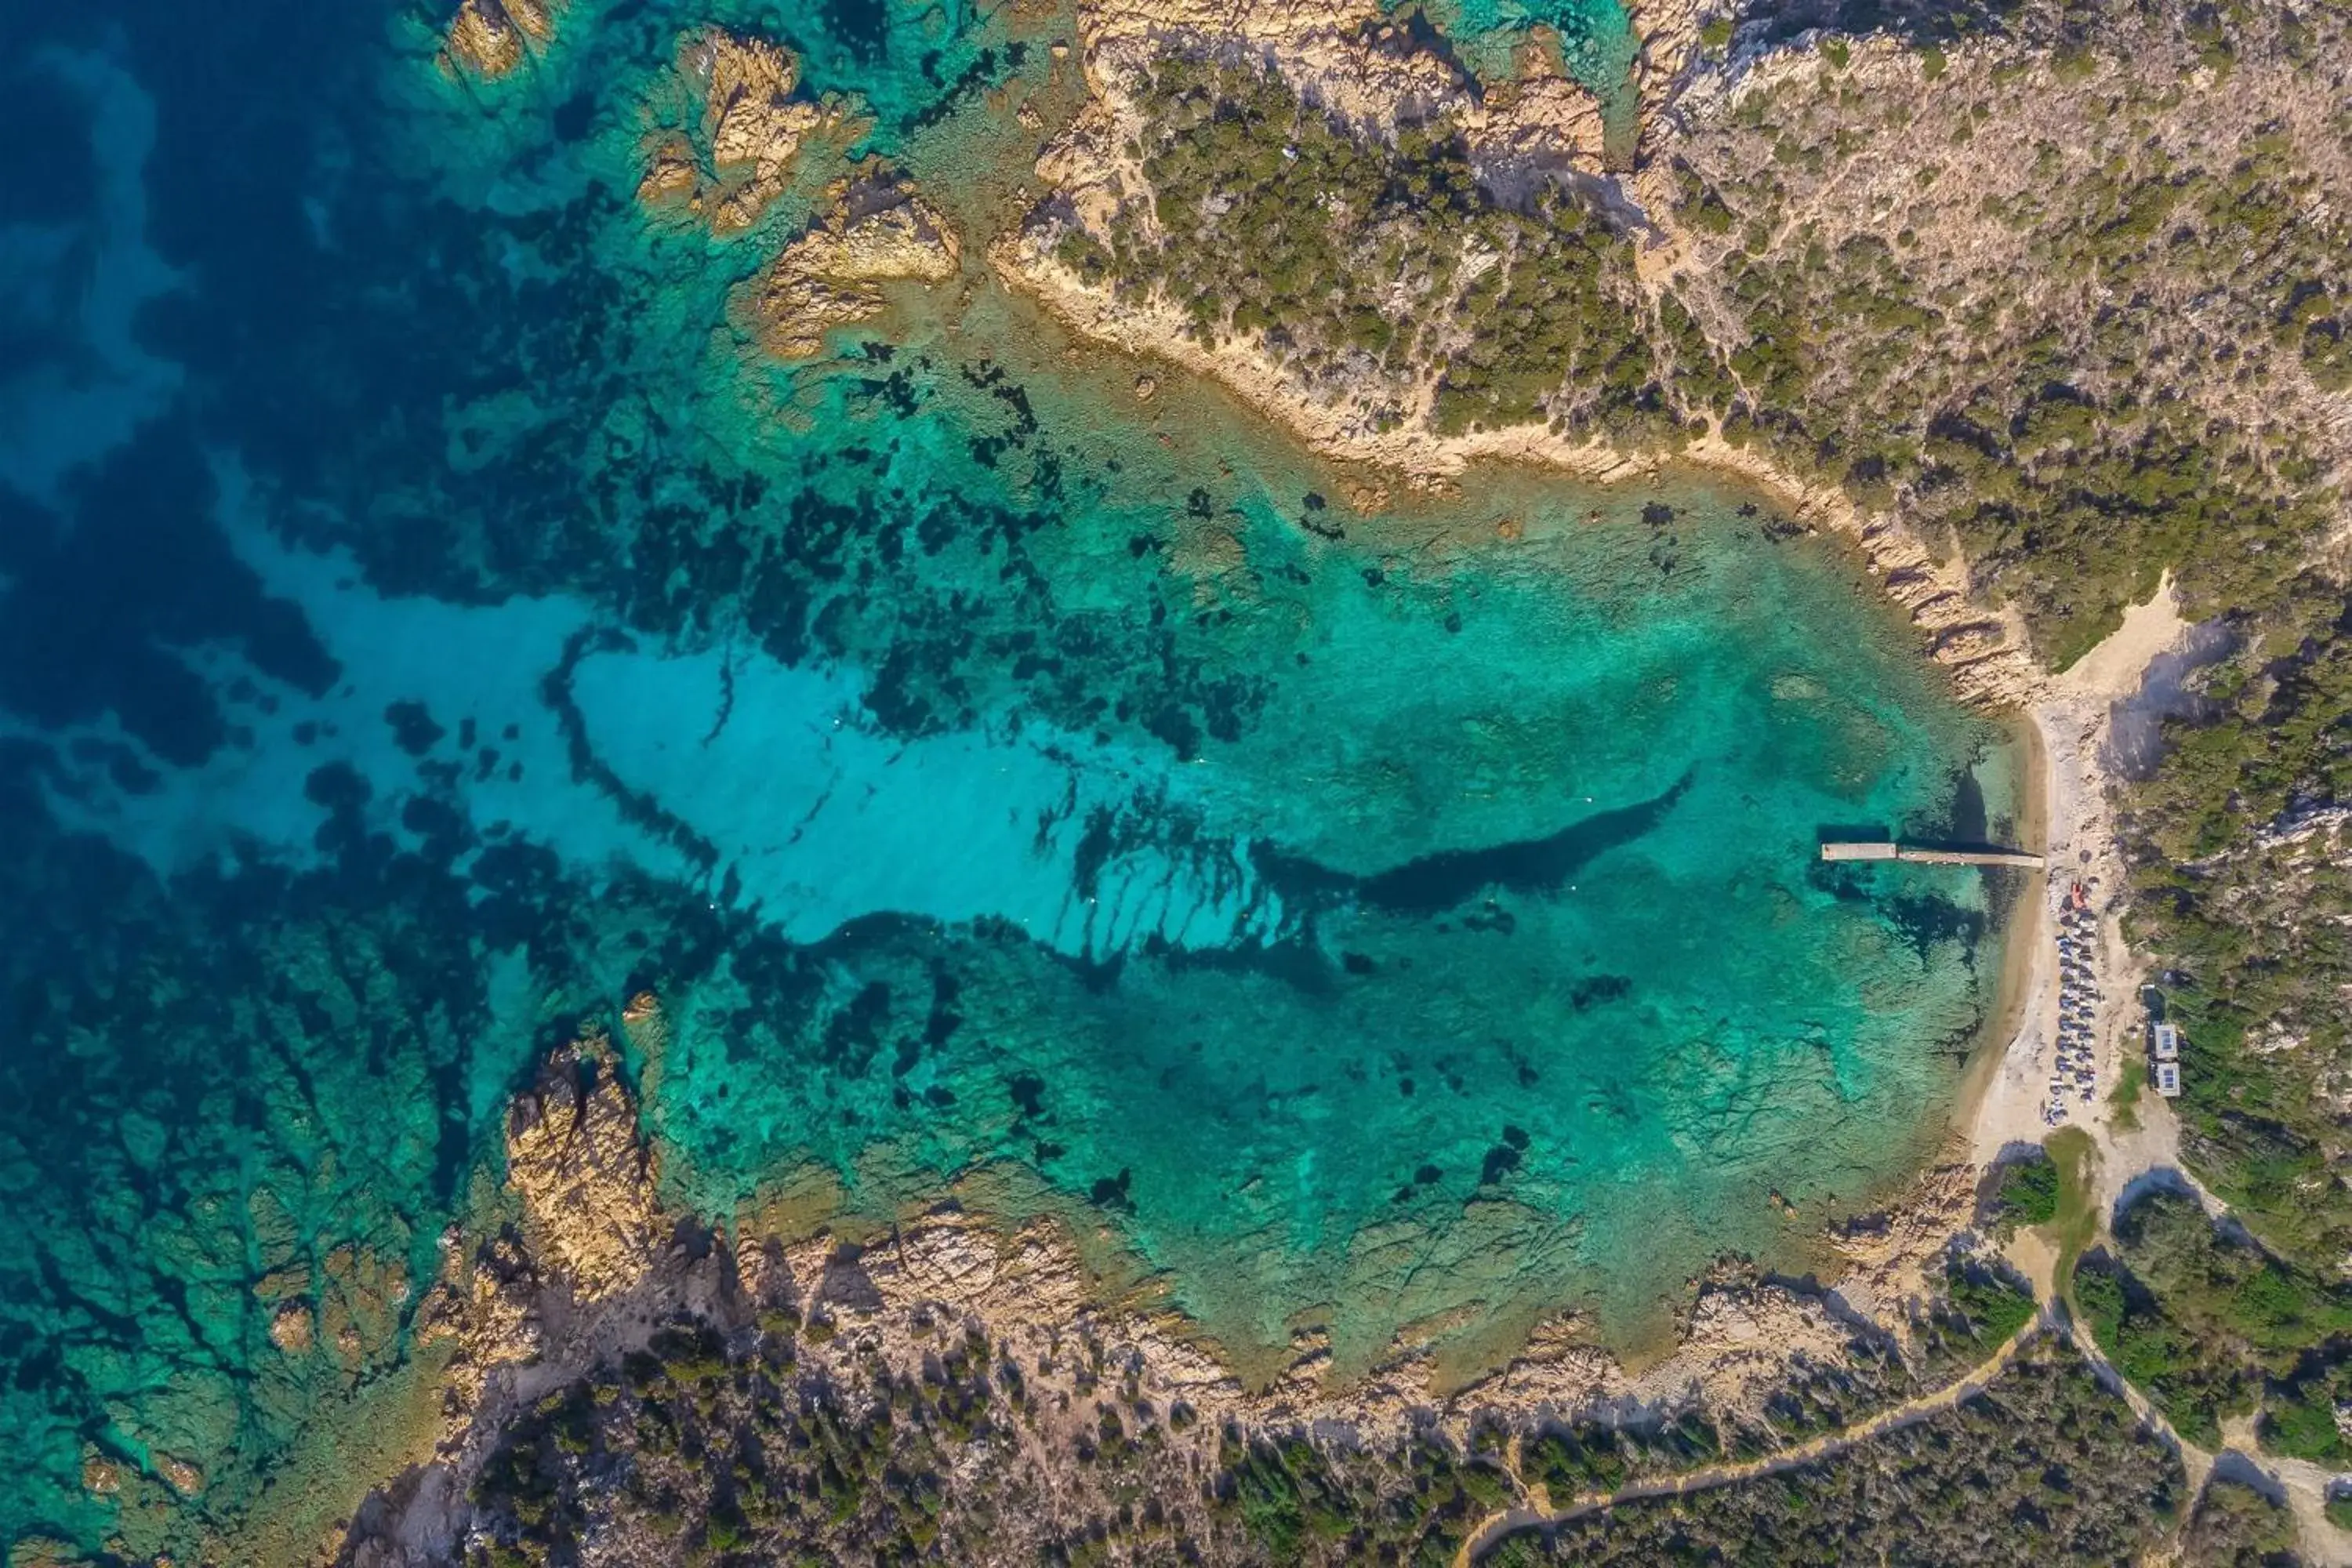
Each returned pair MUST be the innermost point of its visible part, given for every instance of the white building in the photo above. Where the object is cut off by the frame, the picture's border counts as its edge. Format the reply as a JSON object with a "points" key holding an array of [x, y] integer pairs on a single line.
{"points": [[2164, 1041], [2167, 1080]]}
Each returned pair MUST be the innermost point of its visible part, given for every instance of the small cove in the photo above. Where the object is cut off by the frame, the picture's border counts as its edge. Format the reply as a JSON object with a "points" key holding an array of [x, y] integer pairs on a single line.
{"points": [[1379, 925]]}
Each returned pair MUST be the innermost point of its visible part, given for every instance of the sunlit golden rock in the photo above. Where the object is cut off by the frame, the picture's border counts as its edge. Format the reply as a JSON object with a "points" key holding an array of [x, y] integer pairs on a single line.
{"points": [[487, 37], [740, 153], [291, 1328], [878, 231], [181, 1475], [573, 1159], [671, 179], [100, 1477]]}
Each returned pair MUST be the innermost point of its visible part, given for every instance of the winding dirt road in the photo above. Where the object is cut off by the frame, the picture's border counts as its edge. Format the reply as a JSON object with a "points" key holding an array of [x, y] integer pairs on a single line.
{"points": [[1511, 1521]]}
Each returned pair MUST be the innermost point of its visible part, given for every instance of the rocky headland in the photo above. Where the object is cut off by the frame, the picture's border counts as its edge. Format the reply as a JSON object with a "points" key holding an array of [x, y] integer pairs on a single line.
{"points": [[732, 136], [1386, 408], [588, 1274]]}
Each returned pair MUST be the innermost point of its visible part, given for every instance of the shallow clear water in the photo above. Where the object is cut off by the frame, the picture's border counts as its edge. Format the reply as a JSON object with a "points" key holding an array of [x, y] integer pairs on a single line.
{"points": [[427, 625], [1595, 38]]}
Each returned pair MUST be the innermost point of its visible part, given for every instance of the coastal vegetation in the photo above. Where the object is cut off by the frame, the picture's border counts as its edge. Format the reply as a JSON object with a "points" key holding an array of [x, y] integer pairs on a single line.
{"points": [[787, 1445], [2075, 1219], [2067, 304], [2025, 1193], [2244, 924], [782, 1440], [2046, 1466], [2234, 1526], [1357, 261], [2209, 1326]]}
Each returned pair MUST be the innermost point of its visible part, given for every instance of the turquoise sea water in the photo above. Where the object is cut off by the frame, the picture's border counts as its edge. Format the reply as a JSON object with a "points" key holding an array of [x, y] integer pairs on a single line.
{"points": [[427, 624], [1596, 37]]}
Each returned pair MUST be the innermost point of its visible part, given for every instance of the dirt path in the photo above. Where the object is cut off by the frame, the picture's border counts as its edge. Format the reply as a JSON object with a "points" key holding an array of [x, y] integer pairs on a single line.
{"points": [[2304, 1484], [1509, 1521]]}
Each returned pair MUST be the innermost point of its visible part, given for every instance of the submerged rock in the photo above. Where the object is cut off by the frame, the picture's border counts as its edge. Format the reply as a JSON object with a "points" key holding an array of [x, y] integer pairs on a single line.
{"points": [[878, 231], [361, 1294], [291, 1328], [100, 1477], [646, 1025], [43, 1552], [182, 1475]]}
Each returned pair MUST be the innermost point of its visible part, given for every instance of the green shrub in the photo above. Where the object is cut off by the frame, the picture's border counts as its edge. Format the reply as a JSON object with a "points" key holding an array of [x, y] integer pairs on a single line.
{"points": [[2027, 1194]]}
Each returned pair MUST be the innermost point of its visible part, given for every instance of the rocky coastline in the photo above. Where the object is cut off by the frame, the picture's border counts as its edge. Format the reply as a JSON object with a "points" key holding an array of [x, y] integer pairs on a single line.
{"points": [[1543, 127], [583, 1266]]}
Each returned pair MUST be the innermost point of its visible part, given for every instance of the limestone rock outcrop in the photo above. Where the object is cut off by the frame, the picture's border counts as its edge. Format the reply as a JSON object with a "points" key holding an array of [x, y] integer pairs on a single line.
{"points": [[878, 231], [739, 155], [488, 39], [584, 1179]]}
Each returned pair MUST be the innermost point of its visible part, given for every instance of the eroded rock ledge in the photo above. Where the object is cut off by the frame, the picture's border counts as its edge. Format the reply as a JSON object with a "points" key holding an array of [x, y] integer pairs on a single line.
{"points": [[1360, 393], [488, 38], [876, 230], [592, 1286], [747, 133]]}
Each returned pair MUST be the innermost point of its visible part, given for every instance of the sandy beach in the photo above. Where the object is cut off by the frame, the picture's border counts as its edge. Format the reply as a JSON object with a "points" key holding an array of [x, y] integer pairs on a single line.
{"points": [[2072, 777], [2024, 940]]}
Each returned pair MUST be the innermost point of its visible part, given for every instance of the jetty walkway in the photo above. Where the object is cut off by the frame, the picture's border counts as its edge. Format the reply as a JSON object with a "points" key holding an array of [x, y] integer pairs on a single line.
{"points": [[1927, 855]]}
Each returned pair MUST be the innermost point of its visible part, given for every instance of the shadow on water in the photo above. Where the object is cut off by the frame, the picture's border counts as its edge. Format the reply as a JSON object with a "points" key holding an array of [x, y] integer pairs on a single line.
{"points": [[1433, 884], [1969, 821]]}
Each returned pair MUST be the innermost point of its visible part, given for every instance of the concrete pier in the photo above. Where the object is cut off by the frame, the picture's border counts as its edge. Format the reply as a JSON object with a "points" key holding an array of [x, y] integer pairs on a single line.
{"points": [[1927, 855]]}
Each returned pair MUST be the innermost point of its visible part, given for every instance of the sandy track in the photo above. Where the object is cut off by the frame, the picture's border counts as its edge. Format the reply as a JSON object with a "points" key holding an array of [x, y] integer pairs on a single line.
{"points": [[1909, 1412]]}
